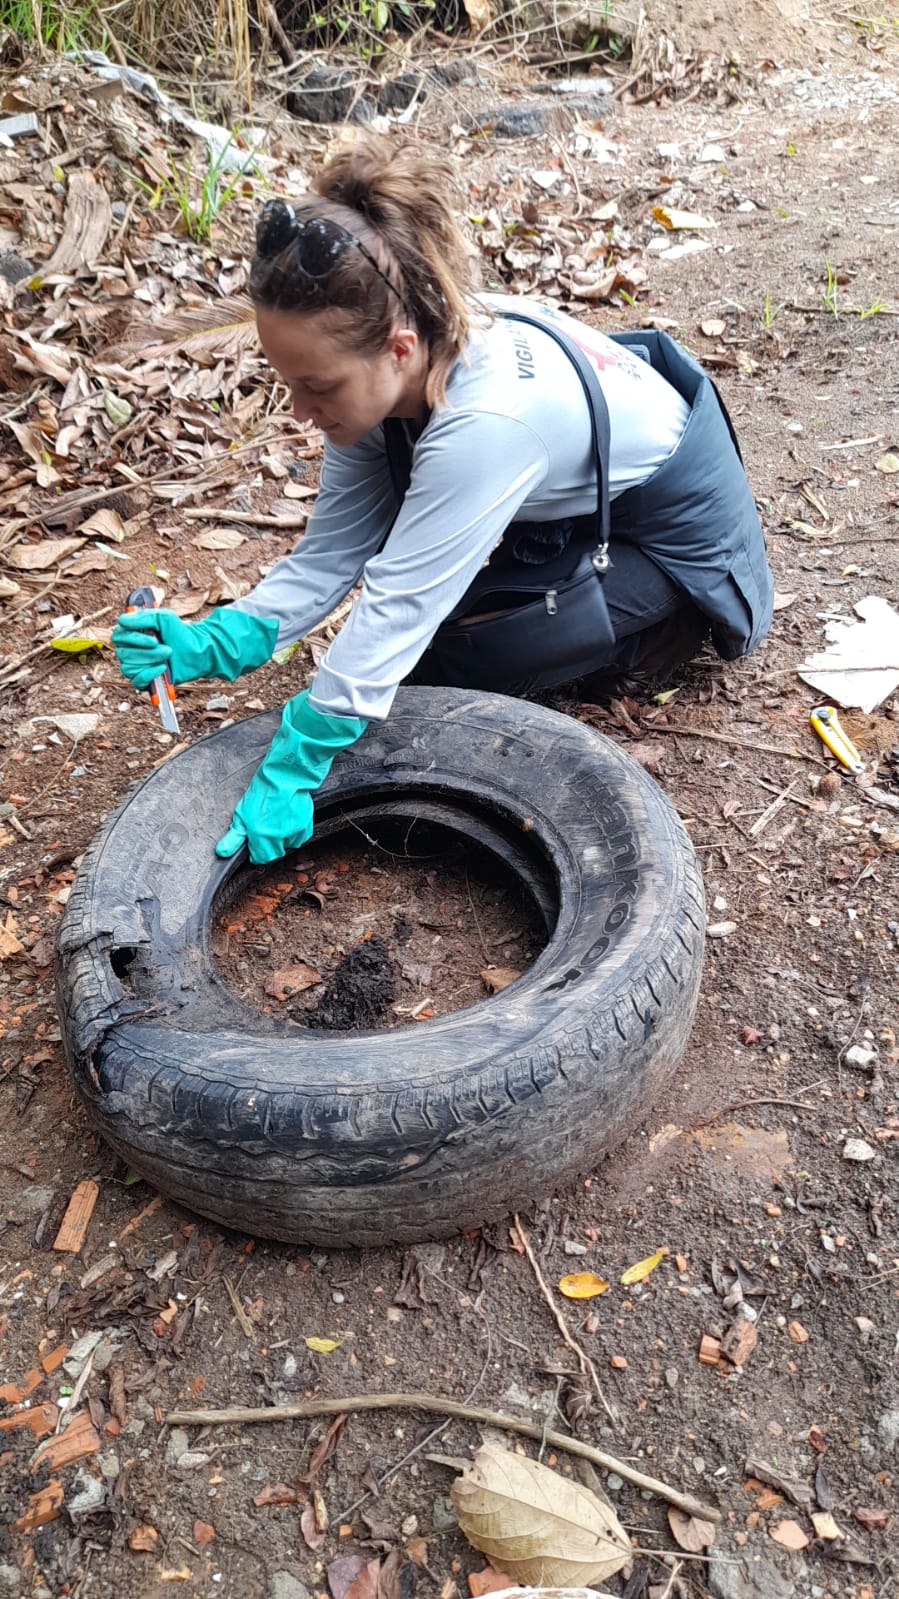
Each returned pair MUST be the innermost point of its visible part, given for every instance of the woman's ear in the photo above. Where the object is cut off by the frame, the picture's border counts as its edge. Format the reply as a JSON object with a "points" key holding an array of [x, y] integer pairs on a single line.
{"points": [[403, 345]]}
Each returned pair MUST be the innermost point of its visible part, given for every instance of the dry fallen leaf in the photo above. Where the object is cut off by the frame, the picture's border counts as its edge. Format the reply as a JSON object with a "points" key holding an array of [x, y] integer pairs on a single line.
{"points": [[713, 327], [187, 604], [277, 1494], [535, 1525], [873, 1520], [9, 944], [797, 1332], [642, 1268], [495, 978], [689, 1532], [322, 1346], [782, 601], [143, 1539], [219, 538], [90, 560], [582, 1285], [291, 980], [104, 524], [38, 557], [353, 1577], [790, 1535], [488, 1581], [313, 1533]]}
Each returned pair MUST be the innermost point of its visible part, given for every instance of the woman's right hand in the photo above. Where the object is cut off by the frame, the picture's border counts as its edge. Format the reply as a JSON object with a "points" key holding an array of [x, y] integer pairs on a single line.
{"points": [[148, 641], [225, 644]]}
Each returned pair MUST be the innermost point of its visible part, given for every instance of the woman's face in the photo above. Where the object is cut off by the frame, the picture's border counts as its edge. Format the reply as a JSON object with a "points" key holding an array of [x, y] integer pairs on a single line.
{"points": [[342, 392]]}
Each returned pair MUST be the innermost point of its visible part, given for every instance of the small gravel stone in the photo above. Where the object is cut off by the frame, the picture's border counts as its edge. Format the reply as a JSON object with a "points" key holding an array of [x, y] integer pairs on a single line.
{"points": [[191, 1459], [286, 1586], [10, 1582], [858, 1149], [90, 1497], [888, 1429], [33, 1201], [571, 1247], [80, 1352], [443, 1516], [178, 1445], [614, 1483]]}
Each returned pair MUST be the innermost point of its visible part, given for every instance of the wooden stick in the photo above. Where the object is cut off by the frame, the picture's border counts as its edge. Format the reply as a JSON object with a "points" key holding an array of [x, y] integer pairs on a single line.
{"points": [[239, 1311], [584, 1361], [306, 1408], [770, 811], [207, 513], [843, 310], [735, 743]]}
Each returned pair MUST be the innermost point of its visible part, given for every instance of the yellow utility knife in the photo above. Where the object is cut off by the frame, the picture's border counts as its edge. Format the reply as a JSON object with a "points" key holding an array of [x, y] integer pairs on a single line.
{"points": [[826, 723]]}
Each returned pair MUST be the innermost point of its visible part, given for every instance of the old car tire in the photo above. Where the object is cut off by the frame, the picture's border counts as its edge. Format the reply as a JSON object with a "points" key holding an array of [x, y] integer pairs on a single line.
{"points": [[369, 1137]]}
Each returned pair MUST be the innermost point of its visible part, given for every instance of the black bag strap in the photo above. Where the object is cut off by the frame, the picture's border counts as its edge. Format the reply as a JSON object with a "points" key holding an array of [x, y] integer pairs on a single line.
{"points": [[399, 452], [399, 456], [600, 430]]}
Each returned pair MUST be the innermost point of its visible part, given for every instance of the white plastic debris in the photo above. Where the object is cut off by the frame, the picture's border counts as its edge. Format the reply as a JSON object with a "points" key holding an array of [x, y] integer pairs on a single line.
{"points": [[861, 666]]}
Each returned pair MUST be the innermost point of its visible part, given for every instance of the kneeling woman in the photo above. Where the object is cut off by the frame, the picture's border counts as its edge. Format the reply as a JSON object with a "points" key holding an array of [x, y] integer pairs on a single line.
{"points": [[523, 499]]}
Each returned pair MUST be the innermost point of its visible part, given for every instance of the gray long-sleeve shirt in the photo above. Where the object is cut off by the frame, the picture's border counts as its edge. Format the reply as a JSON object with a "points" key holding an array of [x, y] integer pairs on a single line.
{"points": [[512, 441]]}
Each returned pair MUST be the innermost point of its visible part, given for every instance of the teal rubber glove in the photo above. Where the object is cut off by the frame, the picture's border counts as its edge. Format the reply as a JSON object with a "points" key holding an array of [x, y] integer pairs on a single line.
{"points": [[226, 644], [275, 813]]}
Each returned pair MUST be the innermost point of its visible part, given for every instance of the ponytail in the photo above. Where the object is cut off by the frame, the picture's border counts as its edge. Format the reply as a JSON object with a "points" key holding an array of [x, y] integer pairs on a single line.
{"points": [[397, 202]]}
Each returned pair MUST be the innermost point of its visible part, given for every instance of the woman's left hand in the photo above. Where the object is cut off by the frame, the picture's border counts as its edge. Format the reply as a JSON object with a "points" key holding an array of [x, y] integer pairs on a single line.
{"points": [[275, 813]]}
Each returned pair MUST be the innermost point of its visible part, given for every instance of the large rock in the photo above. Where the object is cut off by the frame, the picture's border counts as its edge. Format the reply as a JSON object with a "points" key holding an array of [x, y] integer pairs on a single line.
{"points": [[328, 94]]}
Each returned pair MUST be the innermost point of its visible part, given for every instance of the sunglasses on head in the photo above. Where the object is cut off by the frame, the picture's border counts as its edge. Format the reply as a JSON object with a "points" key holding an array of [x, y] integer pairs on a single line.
{"points": [[318, 242]]}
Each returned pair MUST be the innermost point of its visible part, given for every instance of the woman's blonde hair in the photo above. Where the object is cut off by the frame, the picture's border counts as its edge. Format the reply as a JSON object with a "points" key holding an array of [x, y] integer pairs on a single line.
{"points": [[396, 202]]}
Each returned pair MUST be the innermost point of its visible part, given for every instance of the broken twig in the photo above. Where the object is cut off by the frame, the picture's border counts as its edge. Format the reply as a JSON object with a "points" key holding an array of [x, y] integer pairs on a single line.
{"points": [[205, 513], [734, 742], [583, 1359], [304, 1409]]}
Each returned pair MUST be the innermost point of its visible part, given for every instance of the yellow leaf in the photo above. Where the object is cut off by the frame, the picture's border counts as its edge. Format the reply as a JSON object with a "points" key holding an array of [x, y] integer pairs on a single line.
{"points": [[670, 218], [74, 646], [642, 1268], [322, 1346], [582, 1285]]}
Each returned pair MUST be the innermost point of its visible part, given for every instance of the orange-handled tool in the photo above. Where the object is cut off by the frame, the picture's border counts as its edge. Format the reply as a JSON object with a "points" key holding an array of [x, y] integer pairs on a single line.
{"points": [[162, 689]]}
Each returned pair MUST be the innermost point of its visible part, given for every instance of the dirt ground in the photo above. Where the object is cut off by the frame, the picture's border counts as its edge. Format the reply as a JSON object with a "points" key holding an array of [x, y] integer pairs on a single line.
{"points": [[742, 1172]]}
